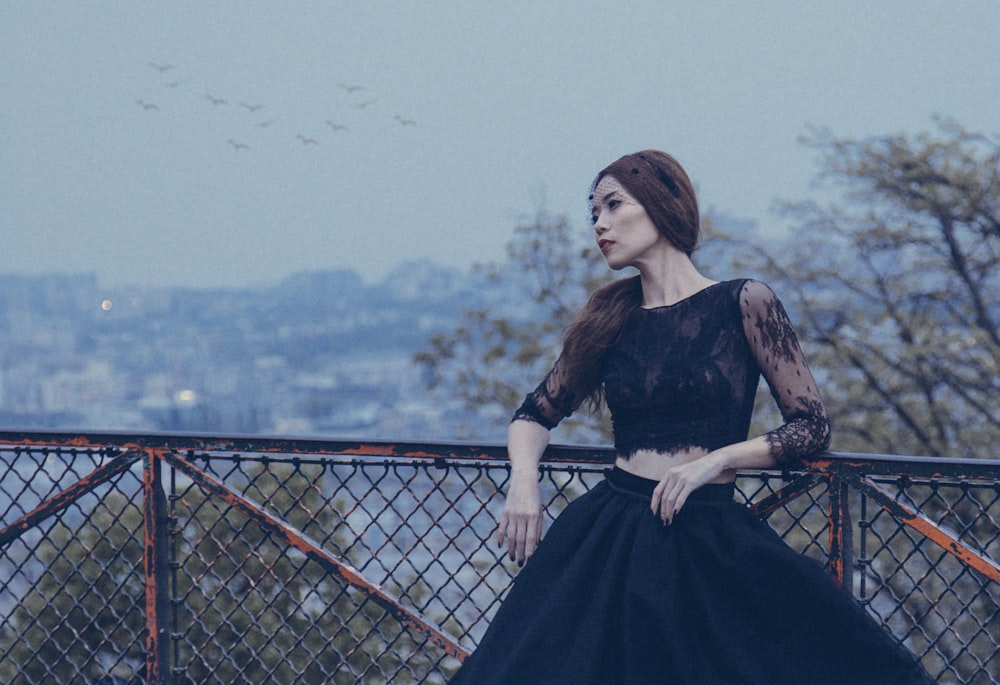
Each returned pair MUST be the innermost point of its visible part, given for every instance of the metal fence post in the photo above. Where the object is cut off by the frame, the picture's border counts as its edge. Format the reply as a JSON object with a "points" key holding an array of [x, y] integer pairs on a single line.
{"points": [[841, 552], [157, 569]]}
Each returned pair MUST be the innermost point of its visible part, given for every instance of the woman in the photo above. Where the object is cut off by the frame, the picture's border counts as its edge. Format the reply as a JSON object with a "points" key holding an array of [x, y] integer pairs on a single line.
{"points": [[656, 574]]}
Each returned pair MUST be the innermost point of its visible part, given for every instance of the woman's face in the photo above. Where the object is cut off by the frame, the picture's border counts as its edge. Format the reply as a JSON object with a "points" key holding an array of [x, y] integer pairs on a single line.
{"points": [[623, 229]]}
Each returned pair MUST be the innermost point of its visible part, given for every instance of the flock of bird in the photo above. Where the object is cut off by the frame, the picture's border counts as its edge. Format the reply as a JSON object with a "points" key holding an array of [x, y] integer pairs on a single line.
{"points": [[266, 117]]}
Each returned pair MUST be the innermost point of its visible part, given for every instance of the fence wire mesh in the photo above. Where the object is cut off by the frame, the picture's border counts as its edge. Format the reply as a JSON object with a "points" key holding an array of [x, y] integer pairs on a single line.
{"points": [[387, 552]]}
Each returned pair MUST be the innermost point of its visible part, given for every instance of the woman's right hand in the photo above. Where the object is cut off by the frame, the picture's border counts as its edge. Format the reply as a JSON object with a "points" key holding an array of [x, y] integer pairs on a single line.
{"points": [[521, 522]]}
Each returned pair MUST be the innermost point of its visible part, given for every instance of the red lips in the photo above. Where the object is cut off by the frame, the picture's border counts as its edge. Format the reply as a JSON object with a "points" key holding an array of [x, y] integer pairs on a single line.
{"points": [[604, 244]]}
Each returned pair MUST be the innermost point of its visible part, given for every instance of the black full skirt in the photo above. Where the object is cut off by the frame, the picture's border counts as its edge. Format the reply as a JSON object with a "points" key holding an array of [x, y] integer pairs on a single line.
{"points": [[614, 596]]}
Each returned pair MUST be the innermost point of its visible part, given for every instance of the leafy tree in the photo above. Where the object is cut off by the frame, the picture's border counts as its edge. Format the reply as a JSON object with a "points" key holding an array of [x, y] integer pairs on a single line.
{"points": [[83, 618], [896, 284], [247, 608]]}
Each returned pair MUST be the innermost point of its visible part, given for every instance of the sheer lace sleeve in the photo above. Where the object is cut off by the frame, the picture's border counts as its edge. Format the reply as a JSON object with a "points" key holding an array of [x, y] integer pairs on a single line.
{"points": [[806, 429], [550, 402]]}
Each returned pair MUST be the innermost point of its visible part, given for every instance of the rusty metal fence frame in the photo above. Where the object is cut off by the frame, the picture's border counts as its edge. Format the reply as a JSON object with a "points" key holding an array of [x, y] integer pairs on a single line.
{"points": [[915, 539]]}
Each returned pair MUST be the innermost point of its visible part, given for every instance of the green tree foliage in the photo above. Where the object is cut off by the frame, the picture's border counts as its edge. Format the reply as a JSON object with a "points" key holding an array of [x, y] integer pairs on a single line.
{"points": [[499, 353], [896, 284], [84, 616], [245, 607]]}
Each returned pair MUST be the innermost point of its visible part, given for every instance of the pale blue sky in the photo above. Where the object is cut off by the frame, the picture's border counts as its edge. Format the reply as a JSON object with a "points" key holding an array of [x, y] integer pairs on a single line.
{"points": [[507, 98]]}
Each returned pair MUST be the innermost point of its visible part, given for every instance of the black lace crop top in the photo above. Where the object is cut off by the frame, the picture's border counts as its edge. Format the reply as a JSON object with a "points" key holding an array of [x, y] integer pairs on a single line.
{"points": [[685, 375]]}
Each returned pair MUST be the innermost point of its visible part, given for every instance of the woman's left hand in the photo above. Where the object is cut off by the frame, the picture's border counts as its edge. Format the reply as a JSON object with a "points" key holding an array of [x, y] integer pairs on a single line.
{"points": [[680, 481]]}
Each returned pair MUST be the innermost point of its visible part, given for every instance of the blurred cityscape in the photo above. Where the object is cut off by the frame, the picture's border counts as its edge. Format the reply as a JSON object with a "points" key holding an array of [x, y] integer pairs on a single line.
{"points": [[319, 354]]}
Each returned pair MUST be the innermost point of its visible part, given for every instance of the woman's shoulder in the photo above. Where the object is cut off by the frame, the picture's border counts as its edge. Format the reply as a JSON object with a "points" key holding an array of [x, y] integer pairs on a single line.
{"points": [[751, 293]]}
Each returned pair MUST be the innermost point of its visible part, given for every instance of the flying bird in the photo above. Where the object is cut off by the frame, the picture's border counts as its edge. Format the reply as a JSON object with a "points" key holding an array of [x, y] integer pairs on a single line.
{"points": [[216, 101], [237, 145], [252, 108], [350, 88], [405, 122], [306, 140], [162, 68], [362, 105], [334, 126], [266, 122], [146, 105], [172, 84]]}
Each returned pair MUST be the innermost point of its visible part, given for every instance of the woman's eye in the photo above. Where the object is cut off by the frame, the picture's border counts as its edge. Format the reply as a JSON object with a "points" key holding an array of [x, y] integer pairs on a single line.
{"points": [[613, 203]]}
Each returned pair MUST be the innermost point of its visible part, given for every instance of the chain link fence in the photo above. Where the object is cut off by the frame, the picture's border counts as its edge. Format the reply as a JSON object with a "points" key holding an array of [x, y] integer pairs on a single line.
{"points": [[189, 559]]}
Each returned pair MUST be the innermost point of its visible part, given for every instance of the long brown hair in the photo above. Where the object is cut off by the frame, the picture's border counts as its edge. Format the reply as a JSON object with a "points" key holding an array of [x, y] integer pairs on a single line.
{"points": [[659, 183]]}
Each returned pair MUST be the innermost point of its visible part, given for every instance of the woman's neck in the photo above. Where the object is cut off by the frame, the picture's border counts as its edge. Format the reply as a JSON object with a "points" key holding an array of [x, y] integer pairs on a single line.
{"points": [[670, 280]]}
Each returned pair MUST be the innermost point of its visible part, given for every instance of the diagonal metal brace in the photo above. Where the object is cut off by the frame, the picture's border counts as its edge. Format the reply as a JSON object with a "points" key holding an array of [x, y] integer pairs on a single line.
{"points": [[928, 528], [792, 490], [280, 528], [62, 499]]}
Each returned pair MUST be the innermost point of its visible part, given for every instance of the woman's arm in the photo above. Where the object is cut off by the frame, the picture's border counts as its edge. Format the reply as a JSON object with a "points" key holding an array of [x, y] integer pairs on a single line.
{"points": [[527, 437], [680, 481], [521, 523], [775, 347]]}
